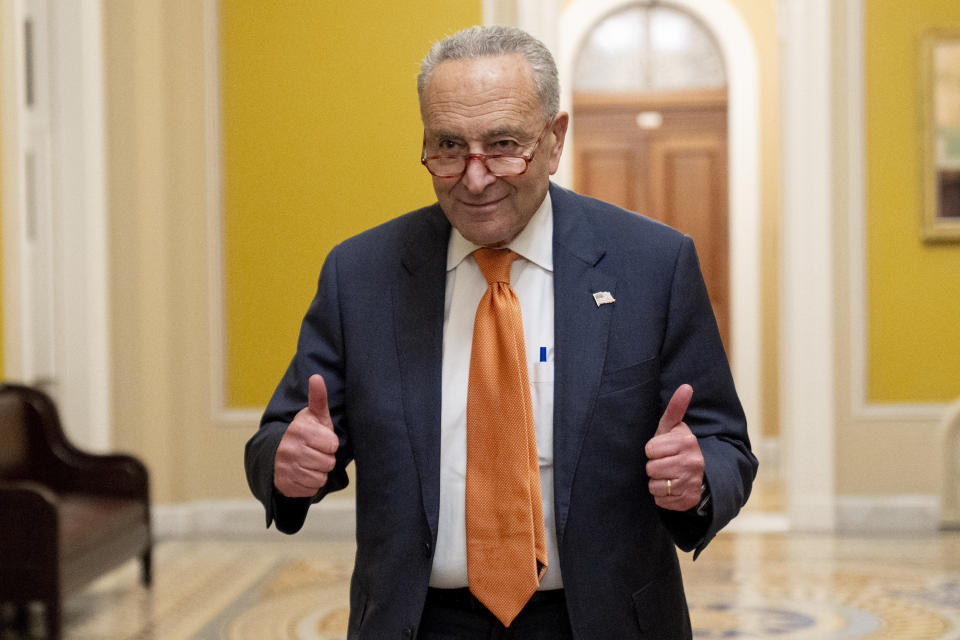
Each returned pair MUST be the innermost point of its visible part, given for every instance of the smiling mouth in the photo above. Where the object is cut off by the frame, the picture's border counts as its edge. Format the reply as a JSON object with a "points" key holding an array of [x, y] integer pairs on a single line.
{"points": [[482, 205]]}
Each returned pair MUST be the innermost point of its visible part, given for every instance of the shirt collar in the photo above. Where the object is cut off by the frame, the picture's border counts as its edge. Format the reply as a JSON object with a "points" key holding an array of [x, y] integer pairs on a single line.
{"points": [[534, 242]]}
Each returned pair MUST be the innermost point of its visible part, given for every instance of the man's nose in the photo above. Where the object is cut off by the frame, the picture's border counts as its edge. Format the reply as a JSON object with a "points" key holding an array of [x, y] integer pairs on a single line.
{"points": [[477, 177]]}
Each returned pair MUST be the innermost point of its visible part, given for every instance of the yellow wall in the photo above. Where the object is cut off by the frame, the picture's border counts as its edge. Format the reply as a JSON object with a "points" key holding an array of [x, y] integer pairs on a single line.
{"points": [[322, 138], [913, 288]]}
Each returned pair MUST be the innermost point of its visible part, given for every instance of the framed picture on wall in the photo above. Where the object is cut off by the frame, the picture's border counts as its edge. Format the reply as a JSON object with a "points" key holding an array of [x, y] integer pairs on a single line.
{"points": [[940, 135]]}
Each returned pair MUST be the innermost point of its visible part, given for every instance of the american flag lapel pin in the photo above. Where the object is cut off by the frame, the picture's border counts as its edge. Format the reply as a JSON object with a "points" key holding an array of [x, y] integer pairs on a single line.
{"points": [[603, 297]]}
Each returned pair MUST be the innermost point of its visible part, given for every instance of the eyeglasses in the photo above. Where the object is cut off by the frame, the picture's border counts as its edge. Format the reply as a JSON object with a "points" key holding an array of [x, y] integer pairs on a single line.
{"points": [[500, 165]]}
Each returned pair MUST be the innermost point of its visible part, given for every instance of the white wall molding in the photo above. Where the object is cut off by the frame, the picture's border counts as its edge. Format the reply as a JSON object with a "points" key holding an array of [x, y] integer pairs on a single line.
{"points": [[759, 522], [807, 379], [897, 513], [336, 517], [728, 27], [221, 413], [332, 517]]}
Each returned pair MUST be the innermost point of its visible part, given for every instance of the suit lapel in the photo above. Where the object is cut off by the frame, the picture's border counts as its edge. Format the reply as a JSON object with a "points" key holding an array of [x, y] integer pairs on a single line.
{"points": [[418, 310], [580, 335]]}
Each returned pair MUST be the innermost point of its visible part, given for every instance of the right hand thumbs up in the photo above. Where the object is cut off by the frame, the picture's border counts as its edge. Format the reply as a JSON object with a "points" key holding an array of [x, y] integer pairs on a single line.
{"points": [[307, 450], [317, 401]]}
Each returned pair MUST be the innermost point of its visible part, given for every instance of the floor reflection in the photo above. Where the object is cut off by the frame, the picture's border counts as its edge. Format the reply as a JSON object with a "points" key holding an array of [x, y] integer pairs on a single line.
{"points": [[781, 586]]}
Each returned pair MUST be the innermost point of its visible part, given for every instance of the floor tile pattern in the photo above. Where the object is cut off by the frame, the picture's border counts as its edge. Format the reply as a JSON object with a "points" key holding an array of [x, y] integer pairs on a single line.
{"points": [[746, 586]]}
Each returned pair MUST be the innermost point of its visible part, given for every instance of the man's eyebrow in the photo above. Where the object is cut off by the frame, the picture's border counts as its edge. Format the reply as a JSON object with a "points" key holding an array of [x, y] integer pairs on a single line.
{"points": [[509, 132], [445, 135]]}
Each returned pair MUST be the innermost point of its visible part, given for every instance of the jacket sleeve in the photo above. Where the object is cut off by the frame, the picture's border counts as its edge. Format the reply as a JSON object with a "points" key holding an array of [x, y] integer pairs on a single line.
{"points": [[693, 353], [319, 350]]}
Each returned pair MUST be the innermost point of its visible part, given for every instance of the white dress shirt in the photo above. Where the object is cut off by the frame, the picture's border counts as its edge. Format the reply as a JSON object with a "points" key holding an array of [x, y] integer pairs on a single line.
{"points": [[531, 276]]}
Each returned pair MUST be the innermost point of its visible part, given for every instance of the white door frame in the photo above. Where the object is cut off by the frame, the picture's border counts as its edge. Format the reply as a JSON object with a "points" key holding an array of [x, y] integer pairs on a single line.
{"points": [[736, 43], [55, 258]]}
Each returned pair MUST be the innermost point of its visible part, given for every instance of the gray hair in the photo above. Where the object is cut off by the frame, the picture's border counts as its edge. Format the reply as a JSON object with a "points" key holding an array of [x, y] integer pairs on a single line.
{"points": [[491, 41]]}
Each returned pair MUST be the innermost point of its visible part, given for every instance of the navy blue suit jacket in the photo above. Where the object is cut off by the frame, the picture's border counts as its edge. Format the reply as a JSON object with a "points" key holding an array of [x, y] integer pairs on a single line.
{"points": [[374, 331]]}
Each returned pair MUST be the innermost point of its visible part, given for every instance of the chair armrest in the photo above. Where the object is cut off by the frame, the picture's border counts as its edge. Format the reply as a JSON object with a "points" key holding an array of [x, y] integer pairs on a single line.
{"points": [[116, 475], [28, 527], [65, 468], [26, 494]]}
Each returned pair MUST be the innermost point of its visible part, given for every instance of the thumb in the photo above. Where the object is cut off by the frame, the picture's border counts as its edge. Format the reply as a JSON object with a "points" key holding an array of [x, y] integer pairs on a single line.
{"points": [[317, 399], [673, 414]]}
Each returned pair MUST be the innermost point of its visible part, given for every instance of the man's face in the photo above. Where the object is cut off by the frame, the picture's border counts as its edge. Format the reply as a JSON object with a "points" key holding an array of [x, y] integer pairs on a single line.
{"points": [[490, 106]]}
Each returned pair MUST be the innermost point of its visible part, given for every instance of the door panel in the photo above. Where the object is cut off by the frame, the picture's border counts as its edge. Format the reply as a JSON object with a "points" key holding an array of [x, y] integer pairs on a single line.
{"points": [[689, 192], [608, 172], [665, 157]]}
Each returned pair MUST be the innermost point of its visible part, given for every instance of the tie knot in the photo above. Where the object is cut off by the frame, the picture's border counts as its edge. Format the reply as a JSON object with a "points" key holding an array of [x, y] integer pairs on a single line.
{"points": [[495, 264]]}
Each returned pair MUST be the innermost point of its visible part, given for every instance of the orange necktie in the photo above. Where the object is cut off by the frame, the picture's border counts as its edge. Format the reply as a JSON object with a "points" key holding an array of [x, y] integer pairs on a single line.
{"points": [[506, 548]]}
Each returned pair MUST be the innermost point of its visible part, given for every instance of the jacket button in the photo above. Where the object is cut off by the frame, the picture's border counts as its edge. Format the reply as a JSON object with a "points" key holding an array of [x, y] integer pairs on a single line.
{"points": [[408, 632], [427, 548]]}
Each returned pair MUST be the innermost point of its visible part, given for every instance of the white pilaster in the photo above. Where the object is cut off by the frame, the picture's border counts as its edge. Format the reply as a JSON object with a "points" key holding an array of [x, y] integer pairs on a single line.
{"points": [[807, 379]]}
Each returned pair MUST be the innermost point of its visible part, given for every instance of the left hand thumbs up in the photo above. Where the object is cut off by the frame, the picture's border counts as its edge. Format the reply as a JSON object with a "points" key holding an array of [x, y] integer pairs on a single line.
{"points": [[676, 409], [674, 460]]}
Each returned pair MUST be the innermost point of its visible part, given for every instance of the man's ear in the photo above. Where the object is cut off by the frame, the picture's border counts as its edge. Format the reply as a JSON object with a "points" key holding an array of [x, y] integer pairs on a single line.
{"points": [[559, 131]]}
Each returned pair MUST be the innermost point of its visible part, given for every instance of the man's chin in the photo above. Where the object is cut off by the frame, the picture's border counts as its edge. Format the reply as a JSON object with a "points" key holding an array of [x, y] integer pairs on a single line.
{"points": [[486, 235]]}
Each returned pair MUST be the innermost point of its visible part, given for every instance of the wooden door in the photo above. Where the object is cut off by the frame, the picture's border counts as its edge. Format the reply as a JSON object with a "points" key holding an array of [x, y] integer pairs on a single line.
{"points": [[664, 156]]}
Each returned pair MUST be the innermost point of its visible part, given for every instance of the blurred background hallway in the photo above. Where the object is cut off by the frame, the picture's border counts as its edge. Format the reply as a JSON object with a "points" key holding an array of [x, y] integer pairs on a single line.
{"points": [[175, 171]]}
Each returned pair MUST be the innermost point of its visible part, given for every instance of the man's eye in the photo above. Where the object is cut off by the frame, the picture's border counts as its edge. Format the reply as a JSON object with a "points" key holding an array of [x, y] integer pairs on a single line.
{"points": [[506, 146], [448, 145]]}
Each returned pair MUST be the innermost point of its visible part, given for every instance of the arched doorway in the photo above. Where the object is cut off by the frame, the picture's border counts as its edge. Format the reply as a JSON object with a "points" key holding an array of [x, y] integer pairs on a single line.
{"points": [[736, 44], [650, 107]]}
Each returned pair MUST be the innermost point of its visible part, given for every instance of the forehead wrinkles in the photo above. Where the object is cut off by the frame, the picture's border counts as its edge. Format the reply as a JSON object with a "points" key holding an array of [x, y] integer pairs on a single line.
{"points": [[487, 89], [456, 116]]}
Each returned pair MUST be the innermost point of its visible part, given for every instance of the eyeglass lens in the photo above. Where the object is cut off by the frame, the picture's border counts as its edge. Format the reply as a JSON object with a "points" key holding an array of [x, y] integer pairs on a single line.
{"points": [[456, 165]]}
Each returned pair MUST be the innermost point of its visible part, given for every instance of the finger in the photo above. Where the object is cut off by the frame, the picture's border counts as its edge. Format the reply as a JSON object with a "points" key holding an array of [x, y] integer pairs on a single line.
{"points": [[688, 464], [296, 487], [319, 437], [660, 488], [317, 400], [311, 458], [676, 409], [316, 460], [676, 495], [674, 487], [675, 443]]}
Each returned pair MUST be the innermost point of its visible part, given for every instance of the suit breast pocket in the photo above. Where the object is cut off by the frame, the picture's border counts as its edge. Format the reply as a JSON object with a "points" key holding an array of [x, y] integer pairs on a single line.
{"points": [[630, 377]]}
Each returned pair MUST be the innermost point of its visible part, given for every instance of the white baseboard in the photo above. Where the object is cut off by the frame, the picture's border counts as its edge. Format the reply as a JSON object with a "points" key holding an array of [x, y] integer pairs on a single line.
{"points": [[902, 513], [335, 517], [759, 522], [332, 517]]}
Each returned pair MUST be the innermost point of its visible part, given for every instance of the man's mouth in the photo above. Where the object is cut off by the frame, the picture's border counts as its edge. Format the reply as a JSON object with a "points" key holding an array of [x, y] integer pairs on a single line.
{"points": [[482, 205]]}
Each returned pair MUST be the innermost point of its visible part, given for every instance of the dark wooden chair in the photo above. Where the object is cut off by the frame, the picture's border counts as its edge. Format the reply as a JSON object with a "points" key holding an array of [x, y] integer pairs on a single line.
{"points": [[66, 516]]}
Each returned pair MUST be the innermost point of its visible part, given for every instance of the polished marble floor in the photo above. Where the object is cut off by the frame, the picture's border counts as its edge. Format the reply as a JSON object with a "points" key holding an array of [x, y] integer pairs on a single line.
{"points": [[780, 586]]}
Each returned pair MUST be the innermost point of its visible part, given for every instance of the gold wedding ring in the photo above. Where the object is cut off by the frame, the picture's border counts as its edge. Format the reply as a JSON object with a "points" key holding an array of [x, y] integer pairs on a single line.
{"points": [[669, 487]]}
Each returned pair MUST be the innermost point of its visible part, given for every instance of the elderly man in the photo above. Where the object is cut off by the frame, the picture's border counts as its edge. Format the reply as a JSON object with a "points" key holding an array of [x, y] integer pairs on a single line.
{"points": [[530, 382]]}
